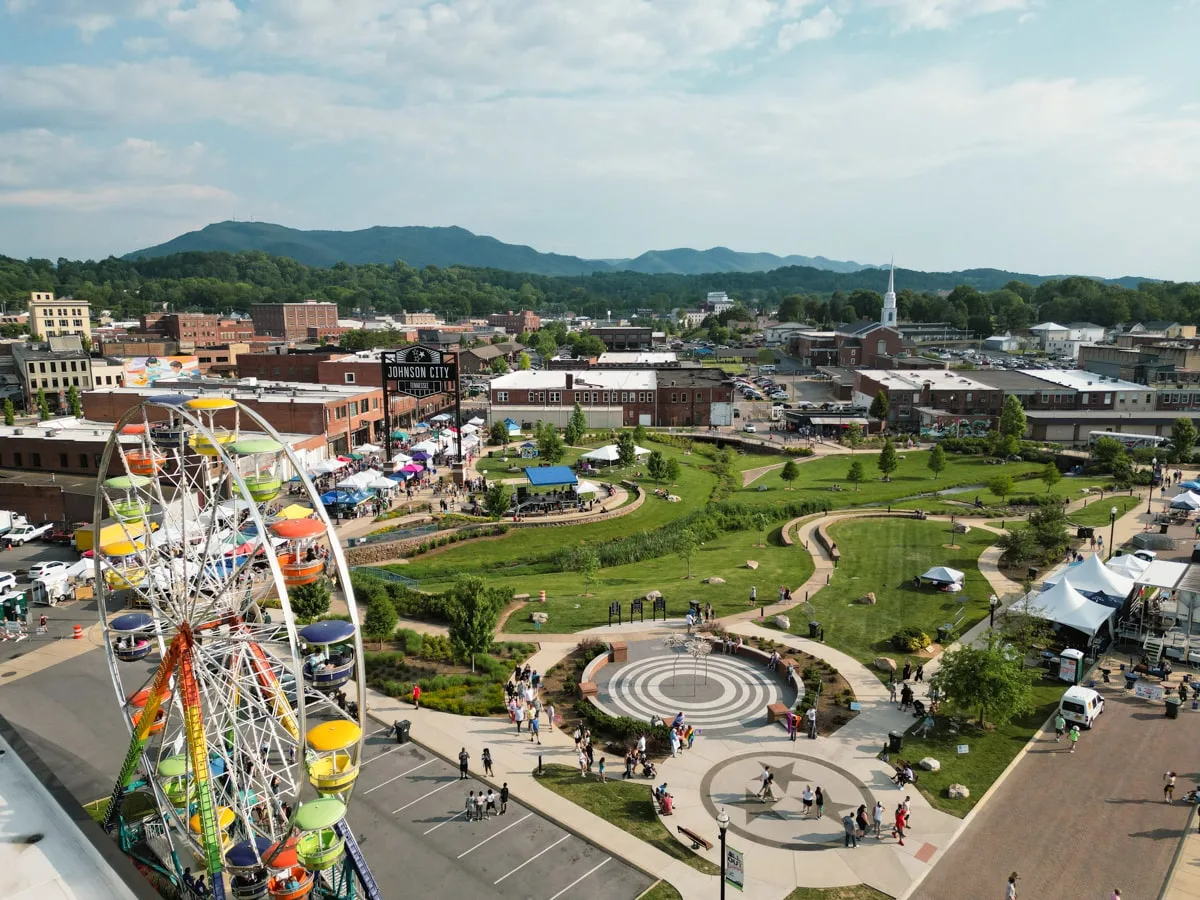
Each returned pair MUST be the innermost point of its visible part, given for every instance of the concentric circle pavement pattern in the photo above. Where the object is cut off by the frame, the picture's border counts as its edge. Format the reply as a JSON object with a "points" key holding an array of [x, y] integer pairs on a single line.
{"points": [[718, 693]]}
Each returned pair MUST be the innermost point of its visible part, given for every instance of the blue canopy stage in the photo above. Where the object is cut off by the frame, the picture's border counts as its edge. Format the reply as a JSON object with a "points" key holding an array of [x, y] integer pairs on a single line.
{"points": [[551, 477]]}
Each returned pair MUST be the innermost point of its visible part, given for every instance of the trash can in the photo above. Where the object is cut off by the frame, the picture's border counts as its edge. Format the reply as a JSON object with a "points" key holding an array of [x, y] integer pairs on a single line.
{"points": [[895, 741], [1131, 678], [402, 727], [943, 634], [814, 629], [1173, 704]]}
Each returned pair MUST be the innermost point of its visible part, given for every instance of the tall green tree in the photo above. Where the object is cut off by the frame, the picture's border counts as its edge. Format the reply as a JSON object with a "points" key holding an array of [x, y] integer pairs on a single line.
{"points": [[498, 433], [576, 426], [587, 560], [1183, 440], [853, 436], [1012, 418], [499, 366], [880, 407], [686, 547], [380, 621], [497, 499], [1000, 485], [473, 610], [790, 472], [1050, 476], [656, 465], [10, 412], [887, 460], [937, 460], [626, 448], [550, 445], [987, 680], [74, 402], [855, 474], [43, 405], [310, 600], [673, 470], [524, 362]]}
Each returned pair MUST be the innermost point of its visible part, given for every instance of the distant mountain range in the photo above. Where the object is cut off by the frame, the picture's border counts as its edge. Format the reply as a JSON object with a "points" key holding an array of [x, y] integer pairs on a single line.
{"points": [[421, 246]]}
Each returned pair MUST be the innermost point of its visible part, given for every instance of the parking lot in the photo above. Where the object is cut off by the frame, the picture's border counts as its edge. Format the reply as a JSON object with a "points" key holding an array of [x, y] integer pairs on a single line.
{"points": [[409, 814]]}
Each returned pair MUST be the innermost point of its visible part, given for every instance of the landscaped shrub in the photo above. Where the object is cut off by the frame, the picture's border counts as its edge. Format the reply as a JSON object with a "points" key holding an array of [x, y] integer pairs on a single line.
{"points": [[623, 731], [910, 639]]}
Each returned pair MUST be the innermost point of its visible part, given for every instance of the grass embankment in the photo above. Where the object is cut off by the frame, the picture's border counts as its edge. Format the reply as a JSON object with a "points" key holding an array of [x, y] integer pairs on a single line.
{"points": [[1098, 512], [882, 556], [849, 892], [627, 805], [661, 890]]}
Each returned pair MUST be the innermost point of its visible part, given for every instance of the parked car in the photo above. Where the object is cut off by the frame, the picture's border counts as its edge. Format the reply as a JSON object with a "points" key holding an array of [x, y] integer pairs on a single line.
{"points": [[42, 569], [59, 536], [8, 582], [749, 428], [1081, 705]]}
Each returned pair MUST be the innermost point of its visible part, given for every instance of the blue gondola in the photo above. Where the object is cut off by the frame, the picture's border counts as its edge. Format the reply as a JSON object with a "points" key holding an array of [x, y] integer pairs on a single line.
{"points": [[133, 643], [332, 665]]}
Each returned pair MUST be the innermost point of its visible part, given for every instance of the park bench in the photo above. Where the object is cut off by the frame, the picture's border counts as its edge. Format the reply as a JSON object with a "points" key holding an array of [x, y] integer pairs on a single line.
{"points": [[520, 596], [697, 841]]}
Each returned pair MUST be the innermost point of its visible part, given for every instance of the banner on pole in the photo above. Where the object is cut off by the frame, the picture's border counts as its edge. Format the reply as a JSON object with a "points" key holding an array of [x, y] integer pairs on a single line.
{"points": [[735, 868]]}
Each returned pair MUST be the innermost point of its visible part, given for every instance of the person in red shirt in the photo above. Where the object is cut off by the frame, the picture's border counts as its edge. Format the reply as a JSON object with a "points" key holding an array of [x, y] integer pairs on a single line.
{"points": [[901, 821], [416, 695]]}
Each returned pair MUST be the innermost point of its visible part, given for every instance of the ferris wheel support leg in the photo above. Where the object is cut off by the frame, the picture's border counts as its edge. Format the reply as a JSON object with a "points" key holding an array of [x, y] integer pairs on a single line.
{"points": [[198, 748], [140, 735], [358, 862]]}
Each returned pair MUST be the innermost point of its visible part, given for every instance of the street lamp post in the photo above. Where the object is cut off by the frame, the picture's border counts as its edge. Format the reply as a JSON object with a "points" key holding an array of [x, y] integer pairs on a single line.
{"points": [[723, 823], [1150, 496], [1112, 522], [993, 602]]}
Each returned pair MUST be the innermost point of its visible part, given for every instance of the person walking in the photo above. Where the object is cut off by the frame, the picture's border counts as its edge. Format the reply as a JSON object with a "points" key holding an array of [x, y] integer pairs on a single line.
{"points": [[764, 777], [891, 689], [791, 725], [416, 696], [907, 804], [463, 758], [1010, 892], [877, 816], [490, 806], [519, 716], [907, 670], [851, 835], [807, 798], [600, 769], [753, 594], [487, 762], [1060, 725], [583, 764], [919, 676], [906, 697], [534, 729], [1169, 787], [819, 800], [470, 806], [504, 798], [550, 716], [1073, 736], [578, 736], [811, 715]]}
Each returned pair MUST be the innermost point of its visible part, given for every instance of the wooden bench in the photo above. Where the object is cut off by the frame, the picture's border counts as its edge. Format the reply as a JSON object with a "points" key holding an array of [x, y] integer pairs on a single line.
{"points": [[776, 712], [520, 596], [697, 841], [587, 688]]}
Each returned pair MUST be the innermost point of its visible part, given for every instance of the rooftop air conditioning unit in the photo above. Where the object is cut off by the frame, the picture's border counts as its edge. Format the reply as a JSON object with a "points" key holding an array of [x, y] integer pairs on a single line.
{"points": [[18, 431]]}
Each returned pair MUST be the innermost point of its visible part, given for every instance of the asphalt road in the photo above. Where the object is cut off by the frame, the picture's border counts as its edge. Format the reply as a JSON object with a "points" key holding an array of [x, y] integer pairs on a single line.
{"points": [[1082, 824], [406, 812]]}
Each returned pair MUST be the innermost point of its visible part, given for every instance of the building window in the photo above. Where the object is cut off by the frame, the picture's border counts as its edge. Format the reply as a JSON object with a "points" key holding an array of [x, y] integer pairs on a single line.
{"points": [[55, 380], [699, 397], [674, 397], [555, 396], [62, 460], [501, 396], [349, 378], [83, 461], [42, 368], [36, 460], [17, 461], [606, 397]]}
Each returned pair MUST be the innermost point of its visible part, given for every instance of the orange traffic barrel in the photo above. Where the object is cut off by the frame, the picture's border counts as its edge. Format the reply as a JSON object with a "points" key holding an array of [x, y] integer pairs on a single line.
{"points": [[79, 632]]}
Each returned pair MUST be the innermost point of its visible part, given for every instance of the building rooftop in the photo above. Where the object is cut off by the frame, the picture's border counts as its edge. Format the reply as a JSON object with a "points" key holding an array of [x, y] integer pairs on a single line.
{"points": [[592, 379], [1010, 380], [1049, 326], [248, 389], [916, 379], [643, 357], [1081, 380]]}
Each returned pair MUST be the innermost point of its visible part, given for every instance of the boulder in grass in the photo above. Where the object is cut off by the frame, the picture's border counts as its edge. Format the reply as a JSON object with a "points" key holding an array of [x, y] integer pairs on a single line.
{"points": [[540, 618], [752, 564], [713, 579], [784, 622], [929, 764], [958, 792], [867, 599], [885, 664], [653, 595]]}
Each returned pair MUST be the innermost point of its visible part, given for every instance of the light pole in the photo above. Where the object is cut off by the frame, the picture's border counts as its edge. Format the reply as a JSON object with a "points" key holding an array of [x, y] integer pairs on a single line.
{"points": [[993, 602], [1112, 522], [1150, 497], [723, 823]]}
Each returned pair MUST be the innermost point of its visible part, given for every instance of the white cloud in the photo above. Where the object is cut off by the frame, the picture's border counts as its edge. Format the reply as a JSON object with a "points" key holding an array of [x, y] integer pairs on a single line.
{"points": [[929, 15], [112, 197], [89, 17], [820, 27], [214, 24]]}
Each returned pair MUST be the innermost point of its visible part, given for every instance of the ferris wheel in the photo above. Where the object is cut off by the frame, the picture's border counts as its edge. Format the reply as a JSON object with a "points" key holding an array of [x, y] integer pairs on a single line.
{"points": [[244, 746]]}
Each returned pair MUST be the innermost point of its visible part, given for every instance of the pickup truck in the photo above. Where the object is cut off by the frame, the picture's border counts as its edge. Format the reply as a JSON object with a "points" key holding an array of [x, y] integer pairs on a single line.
{"points": [[22, 534]]}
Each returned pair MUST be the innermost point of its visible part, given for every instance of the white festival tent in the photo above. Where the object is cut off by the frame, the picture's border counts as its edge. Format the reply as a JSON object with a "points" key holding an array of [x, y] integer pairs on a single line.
{"points": [[586, 487], [327, 466], [476, 421], [469, 428], [424, 447], [1186, 500], [357, 481], [1128, 565], [1066, 606], [943, 575], [610, 453], [380, 482], [1092, 577], [368, 449]]}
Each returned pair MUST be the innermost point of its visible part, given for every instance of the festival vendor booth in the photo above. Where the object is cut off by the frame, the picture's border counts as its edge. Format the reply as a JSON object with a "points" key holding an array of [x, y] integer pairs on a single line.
{"points": [[1164, 611], [1095, 581], [943, 578], [1128, 565], [610, 454], [550, 489], [344, 502], [1188, 500], [1078, 621]]}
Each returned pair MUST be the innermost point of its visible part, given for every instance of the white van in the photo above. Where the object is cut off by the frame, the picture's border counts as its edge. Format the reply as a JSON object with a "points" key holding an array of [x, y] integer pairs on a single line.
{"points": [[1081, 705], [766, 370]]}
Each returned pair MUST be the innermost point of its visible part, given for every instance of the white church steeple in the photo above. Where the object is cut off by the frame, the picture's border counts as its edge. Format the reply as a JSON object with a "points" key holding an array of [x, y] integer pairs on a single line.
{"points": [[889, 299]]}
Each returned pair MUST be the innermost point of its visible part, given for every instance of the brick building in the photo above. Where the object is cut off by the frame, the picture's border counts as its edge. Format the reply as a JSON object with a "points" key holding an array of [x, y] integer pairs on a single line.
{"points": [[924, 397], [515, 323], [625, 337], [295, 321], [191, 330], [864, 344]]}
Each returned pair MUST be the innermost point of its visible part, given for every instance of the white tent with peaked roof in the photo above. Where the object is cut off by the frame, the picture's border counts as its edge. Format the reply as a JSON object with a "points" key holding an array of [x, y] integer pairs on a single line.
{"points": [[1066, 606], [1092, 577], [1128, 565]]}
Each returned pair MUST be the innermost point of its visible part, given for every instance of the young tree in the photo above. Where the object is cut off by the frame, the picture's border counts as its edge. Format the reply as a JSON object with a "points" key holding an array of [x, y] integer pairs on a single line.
{"points": [[880, 407], [1107, 452], [10, 413], [380, 621], [588, 562], [1000, 485], [74, 402], [765, 357], [1018, 545], [1012, 418], [524, 362], [1050, 476], [626, 448], [473, 611], [640, 436], [656, 465], [988, 679], [686, 547], [497, 499], [937, 460], [887, 460], [1183, 439], [853, 436], [550, 444], [43, 405], [1048, 525], [856, 473], [1021, 628], [790, 472], [310, 600], [499, 366], [673, 470], [498, 434], [576, 426]]}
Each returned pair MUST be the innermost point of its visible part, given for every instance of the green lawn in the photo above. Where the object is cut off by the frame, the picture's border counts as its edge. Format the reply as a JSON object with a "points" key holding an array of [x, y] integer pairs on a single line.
{"points": [[883, 555], [850, 892], [1098, 512], [989, 752], [495, 467], [661, 890], [725, 557], [627, 805]]}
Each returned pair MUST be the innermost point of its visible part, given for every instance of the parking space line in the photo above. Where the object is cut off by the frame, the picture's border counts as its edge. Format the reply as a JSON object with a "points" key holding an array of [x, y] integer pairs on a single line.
{"points": [[496, 835], [423, 796], [384, 753], [531, 859], [607, 859], [401, 775], [443, 822]]}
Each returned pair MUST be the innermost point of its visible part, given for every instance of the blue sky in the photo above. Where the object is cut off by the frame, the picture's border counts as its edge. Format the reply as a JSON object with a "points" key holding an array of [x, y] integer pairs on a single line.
{"points": [[1034, 135]]}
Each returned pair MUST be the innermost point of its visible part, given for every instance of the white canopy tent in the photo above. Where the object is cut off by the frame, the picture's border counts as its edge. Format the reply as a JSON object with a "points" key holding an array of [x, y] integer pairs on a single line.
{"points": [[1128, 565], [368, 449], [609, 453], [327, 466], [469, 428], [429, 447], [357, 481], [1092, 577], [1066, 606], [476, 421], [584, 488], [381, 482], [943, 575], [1186, 500], [1163, 574]]}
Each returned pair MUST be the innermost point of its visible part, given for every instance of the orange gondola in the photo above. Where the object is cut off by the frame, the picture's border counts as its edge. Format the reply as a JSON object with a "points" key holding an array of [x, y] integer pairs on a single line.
{"points": [[145, 462]]}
